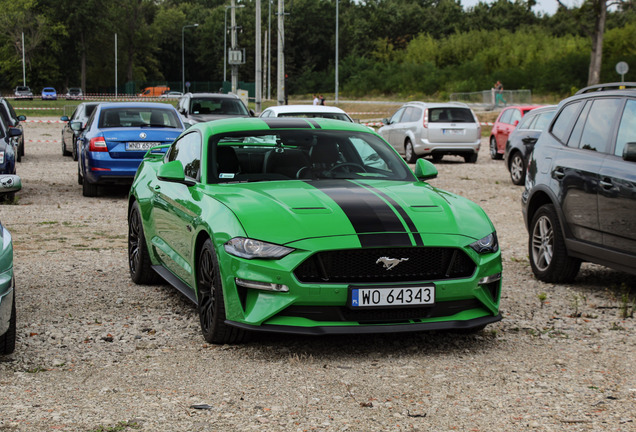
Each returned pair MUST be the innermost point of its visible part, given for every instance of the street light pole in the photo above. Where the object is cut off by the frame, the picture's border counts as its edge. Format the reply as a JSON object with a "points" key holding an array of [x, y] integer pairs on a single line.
{"points": [[183, 55], [225, 40]]}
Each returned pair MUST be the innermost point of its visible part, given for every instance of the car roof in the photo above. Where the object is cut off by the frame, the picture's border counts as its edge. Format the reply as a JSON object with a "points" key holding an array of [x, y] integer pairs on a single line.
{"points": [[306, 109], [249, 124], [437, 104], [135, 105], [216, 95], [630, 86]]}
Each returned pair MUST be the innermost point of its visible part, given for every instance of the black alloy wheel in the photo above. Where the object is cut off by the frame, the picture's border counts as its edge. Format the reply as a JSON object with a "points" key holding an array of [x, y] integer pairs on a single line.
{"points": [[210, 300], [139, 263]]}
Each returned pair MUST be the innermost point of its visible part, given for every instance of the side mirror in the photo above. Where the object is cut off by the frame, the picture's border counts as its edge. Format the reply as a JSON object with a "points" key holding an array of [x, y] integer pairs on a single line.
{"points": [[173, 172], [76, 125], [515, 123], [10, 183], [21, 118], [64, 118], [425, 170], [629, 152], [14, 132], [385, 121], [252, 113]]}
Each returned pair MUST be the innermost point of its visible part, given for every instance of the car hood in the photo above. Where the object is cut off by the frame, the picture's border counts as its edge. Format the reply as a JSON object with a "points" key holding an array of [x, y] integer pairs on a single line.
{"points": [[389, 212]]}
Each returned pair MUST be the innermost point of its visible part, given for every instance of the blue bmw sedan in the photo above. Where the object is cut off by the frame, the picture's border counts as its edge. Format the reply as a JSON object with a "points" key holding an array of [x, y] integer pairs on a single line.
{"points": [[116, 138]]}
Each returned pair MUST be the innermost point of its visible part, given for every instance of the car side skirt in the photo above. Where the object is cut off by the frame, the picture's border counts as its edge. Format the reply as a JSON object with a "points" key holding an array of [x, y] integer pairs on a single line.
{"points": [[370, 329], [176, 282], [600, 255]]}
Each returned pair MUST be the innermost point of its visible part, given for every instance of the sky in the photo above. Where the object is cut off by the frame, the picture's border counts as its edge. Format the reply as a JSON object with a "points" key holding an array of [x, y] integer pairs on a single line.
{"points": [[548, 7]]}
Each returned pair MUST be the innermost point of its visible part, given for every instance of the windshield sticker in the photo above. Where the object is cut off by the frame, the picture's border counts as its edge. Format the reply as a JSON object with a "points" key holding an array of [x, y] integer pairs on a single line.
{"points": [[226, 175]]}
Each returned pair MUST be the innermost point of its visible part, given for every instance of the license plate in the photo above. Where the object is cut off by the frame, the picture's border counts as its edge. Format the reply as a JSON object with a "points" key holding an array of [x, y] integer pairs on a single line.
{"points": [[453, 131], [141, 145], [383, 297]]}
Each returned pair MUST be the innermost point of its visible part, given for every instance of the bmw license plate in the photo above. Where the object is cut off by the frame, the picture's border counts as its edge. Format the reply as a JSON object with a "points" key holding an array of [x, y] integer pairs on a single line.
{"points": [[387, 297], [453, 131], [144, 145]]}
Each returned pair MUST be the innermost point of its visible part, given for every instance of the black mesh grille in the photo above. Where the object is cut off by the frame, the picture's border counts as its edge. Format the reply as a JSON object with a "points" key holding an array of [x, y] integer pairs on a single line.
{"points": [[362, 266]]}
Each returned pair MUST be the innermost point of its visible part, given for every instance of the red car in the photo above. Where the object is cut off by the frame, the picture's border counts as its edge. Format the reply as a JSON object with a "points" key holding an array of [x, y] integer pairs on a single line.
{"points": [[506, 122]]}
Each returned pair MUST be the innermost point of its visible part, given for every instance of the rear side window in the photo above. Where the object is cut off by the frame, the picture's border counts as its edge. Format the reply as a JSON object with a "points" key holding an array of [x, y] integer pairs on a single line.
{"points": [[412, 114], [627, 128], [543, 120], [397, 116], [564, 122], [599, 122], [450, 115]]}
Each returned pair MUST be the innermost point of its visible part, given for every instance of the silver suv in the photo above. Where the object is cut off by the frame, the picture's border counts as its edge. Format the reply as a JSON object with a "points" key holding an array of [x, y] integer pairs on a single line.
{"points": [[419, 129]]}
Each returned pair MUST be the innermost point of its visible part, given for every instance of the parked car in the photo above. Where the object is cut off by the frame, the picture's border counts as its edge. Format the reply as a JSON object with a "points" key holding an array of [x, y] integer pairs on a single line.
{"points": [[579, 201], [521, 141], [433, 129], [8, 147], [23, 92], [202, 107], [277, 225], [306, 111], [171, 95], [74, 127], [74, 93], [49, 93], [506, 122], [116, 137], [9, 184], [13, 120]]}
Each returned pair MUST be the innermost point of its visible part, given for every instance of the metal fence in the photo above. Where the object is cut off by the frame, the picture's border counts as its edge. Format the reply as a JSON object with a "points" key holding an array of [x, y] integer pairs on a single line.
{"points": [[486, 98]]}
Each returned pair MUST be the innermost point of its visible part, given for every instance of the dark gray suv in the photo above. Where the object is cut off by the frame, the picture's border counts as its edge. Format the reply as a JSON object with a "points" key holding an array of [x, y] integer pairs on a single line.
{"points": [[580, 198]]}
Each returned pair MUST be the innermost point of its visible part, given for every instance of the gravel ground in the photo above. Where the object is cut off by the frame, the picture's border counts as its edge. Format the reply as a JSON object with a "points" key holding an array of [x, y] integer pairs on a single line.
{"points": [[95, 352]]}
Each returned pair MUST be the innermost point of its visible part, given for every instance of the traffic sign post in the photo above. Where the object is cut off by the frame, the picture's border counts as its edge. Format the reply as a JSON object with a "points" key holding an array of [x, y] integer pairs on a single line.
{"points": [[622, 68]]}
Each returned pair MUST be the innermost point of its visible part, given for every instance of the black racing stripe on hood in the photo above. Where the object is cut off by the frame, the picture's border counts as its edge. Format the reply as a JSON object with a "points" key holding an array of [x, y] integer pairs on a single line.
{"points": [[286, 123], [403, 214], [314, 123], [375, 222]]}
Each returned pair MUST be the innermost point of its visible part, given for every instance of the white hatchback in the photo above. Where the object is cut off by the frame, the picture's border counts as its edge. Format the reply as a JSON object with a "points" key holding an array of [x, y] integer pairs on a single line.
{"points": [[307, 111]]}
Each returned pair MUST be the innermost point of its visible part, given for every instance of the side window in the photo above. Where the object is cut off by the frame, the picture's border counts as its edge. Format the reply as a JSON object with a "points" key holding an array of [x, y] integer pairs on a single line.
{"points": [[505, 116], [397, 116], [543, 120], [408, 115], [627, 128], [563, 124], [187, 149], [599, 122], [515, 116], [527, 122], [416, 114]]}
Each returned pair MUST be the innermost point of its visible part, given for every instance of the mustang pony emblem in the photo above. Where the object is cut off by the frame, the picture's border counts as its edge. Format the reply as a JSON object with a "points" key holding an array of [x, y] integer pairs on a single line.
{"points": [[389, 263]]}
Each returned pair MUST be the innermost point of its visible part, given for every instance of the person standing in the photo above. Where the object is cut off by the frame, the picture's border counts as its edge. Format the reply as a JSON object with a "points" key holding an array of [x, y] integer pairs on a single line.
{"points": [[322, 99], [316, 100], [499, 94]]}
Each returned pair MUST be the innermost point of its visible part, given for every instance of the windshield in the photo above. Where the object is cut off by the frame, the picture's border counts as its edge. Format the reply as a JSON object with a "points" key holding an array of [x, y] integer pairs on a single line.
{"points": [[217, 106], [306, 155], [138, 117]]}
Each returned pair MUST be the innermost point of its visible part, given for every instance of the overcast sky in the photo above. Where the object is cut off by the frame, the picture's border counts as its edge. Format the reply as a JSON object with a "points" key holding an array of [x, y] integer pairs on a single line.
{"points": [[544, 6]]}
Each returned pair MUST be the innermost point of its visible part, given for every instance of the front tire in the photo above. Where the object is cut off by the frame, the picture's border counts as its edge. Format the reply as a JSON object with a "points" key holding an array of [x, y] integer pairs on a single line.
{"points": [[210, 300], [409, 153], [493, 149], [517, 169], [548, 255], [7, 340], [139, 262], [64, 151]]}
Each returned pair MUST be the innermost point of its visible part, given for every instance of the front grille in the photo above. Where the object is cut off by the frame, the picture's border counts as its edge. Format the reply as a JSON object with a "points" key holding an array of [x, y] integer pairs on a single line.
{"points": [[362, 266]]}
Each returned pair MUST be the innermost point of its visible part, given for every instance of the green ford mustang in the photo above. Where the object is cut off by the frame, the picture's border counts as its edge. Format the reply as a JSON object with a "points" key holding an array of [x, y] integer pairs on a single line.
{"points": [[309, 226]]}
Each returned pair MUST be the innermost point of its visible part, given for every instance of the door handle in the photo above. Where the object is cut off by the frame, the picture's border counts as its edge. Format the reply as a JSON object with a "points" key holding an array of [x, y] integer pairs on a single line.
{"points": [[558, 173], [606, 183]]}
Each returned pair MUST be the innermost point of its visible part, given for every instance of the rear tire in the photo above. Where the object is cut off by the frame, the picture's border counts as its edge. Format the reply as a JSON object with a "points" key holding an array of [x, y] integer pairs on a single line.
{"points": [[517, 169], [470, 158], [139, 262], [493, 149], [546, 248], [64, 151], [210, 301], [409, 153], [89, 189], [7, 340]]}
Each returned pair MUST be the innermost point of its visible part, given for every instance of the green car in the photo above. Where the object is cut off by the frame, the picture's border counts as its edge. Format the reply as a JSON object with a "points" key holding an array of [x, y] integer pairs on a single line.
{"points": [[309, 226], [9, 184]]}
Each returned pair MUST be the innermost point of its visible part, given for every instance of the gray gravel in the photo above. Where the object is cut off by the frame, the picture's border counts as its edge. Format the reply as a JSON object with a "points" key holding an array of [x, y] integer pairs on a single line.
{"points": [[95, 352]]}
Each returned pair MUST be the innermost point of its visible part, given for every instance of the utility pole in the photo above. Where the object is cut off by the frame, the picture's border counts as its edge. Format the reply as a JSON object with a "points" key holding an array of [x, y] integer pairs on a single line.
{"points": [[233, 46], [259, 71], [280, 93]]}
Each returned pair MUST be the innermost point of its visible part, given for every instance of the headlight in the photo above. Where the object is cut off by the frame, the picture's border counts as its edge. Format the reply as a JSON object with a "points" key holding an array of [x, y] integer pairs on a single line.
{"points": [[487, 244], [250, 248]]}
